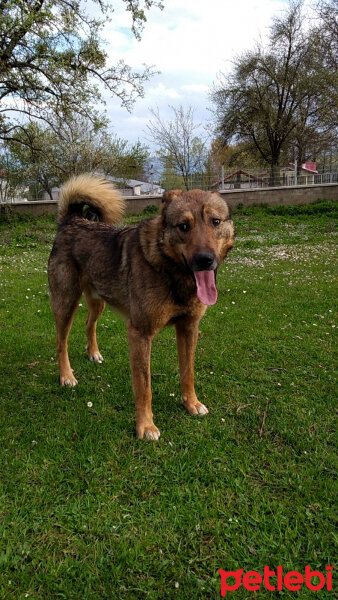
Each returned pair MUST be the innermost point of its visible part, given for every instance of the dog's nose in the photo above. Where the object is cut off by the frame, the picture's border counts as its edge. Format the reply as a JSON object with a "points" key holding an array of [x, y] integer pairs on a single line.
{"points": [[204, 261]]}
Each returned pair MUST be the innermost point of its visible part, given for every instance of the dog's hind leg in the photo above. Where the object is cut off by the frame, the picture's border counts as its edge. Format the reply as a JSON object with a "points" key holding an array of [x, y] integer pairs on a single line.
{"points": [[65, 295], [95, 309], [187, 334]]}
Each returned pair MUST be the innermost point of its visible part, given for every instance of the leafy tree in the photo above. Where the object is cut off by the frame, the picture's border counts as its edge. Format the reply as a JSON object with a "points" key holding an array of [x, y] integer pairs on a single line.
{"points": [[327, 11], [170, 178], [53, 61], [10, 181], [276, 97], [48, 159], [233, 156], [180, 149]]}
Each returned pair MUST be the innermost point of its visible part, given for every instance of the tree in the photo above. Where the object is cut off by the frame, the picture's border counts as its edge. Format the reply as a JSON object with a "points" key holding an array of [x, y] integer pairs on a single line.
{"points": [[234, 156], [10, 181], [327, 11], [48, 159], [180, 149], [275, 97], [53, 61]]}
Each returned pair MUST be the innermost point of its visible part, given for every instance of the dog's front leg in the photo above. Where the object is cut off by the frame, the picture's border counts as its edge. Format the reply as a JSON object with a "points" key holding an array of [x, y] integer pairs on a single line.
{"points": [[187, 334], [140, 350]]}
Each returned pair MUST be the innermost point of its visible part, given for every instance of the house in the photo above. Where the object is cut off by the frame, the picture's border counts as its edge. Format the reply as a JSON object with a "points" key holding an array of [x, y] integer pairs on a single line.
{"points": [[306, 175], [239, 180], [133, 187], [129, 187]]}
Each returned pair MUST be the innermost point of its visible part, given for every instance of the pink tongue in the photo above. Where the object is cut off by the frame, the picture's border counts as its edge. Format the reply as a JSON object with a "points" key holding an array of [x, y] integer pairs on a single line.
{"points": [[206, 288]]}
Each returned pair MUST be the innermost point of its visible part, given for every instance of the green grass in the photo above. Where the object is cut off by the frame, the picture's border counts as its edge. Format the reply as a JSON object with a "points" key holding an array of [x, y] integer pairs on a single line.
{"points": [[88, 512]]}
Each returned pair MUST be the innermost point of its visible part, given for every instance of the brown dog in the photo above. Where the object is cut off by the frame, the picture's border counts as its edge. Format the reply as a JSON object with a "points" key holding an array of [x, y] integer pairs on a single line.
{"points": [[158, 273]]}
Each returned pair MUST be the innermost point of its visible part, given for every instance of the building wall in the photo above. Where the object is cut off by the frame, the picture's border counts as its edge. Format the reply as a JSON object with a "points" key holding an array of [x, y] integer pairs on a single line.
{"points": [[272, 196]]}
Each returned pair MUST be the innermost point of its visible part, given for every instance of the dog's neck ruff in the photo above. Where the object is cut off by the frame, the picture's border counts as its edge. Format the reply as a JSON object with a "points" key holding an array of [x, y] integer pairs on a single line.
{"points": [[206, 287]]}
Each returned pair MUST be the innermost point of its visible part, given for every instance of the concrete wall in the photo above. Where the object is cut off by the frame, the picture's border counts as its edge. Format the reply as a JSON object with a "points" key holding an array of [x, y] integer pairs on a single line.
{"points": [[281, 195], [294, 195], [134, 205]]}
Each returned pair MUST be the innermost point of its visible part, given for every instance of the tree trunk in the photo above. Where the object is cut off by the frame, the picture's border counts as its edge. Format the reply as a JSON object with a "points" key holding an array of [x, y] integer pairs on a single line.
{"points": [[274, 175]]}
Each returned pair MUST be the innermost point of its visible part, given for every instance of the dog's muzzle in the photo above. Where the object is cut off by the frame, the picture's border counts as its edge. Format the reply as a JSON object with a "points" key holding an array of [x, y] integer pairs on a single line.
{"points": [[204, 261]]}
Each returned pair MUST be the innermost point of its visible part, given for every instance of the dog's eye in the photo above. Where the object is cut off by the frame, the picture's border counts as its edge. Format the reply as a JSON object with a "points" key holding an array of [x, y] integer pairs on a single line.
{"points": [[184, 227], [216, 222]]}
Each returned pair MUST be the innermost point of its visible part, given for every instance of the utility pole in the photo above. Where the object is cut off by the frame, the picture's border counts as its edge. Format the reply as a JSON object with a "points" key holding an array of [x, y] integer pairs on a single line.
{"points": [[296, 167]]}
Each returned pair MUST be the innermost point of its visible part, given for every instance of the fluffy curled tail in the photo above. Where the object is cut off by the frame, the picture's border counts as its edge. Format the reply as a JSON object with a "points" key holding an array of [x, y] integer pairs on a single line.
{"points": [[104, 201]]}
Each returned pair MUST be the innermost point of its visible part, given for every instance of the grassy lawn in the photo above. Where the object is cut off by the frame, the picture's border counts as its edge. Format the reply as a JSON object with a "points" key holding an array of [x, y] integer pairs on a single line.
{"points": [[88, 512]]}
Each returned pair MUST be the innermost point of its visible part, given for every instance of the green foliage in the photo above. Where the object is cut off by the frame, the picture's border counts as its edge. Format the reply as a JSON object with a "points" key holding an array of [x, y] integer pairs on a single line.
{"points": [[236, 156], [52, 61], [328, 208], [89, 511], [47, 156], [281, 98], [150, 210]]}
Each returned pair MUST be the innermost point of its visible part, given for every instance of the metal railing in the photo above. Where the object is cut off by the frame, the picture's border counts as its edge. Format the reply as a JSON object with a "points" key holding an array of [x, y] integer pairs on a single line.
{"points": [[15, 192], [258, 180]]}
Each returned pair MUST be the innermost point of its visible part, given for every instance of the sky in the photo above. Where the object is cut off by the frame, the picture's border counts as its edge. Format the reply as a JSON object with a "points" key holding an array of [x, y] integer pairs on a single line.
{"points": [[190, 42]]}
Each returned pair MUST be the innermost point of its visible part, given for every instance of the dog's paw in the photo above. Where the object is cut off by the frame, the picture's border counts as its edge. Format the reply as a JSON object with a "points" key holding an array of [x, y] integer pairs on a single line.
{"points": [[68, 380], [196, 408], [202, 409], [96, 357], [148, 432]]}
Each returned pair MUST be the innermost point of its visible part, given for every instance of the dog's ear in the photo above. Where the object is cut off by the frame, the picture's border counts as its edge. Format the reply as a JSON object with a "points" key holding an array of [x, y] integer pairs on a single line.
{"points": [[170, 195], [167, 198]]}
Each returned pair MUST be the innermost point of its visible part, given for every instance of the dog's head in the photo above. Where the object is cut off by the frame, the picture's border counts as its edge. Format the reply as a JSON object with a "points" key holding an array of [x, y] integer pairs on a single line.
{"points": [[197, 232]]}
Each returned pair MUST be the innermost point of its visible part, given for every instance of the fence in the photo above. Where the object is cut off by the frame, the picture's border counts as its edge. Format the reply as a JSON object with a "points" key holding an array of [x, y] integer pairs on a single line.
{"points": [[241, 179], [291, 195], [13, 192]]}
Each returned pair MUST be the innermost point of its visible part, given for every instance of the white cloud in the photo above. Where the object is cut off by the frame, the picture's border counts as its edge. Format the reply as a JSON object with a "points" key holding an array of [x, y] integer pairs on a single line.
{"points": [[163, 92], [190, 42], [199, 88]]}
